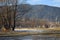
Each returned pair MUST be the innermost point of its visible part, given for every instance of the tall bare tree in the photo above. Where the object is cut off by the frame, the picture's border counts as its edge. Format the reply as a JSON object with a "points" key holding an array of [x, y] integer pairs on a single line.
{"points": [[8, 9], [9, 13]]}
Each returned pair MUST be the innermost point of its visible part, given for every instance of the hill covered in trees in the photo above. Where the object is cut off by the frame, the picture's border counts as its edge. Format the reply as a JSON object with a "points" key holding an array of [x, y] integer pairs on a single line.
{"points": [[37, 13], [40, 12], [30, 15]]}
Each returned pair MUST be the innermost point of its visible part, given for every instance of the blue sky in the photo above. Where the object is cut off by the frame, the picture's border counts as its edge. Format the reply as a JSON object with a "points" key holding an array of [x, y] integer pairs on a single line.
{"points": [[45, 2]]}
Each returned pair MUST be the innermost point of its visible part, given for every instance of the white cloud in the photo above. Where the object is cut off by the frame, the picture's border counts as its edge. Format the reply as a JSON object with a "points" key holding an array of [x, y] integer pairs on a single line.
{"points": [[57, 5], [56, 0], [34, 1]]}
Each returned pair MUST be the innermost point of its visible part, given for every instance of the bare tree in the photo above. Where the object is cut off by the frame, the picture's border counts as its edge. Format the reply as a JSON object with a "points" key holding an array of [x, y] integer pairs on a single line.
{"points": [[9, 13], [8, 9]]}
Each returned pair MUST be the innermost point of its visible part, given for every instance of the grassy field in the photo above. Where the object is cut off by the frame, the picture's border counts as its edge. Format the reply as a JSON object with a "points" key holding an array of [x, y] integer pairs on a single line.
{"points": [[49, 31]]}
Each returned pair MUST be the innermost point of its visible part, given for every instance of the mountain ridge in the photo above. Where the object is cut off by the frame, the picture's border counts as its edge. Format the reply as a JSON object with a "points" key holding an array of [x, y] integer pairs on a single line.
{"points": [[42, 11]]}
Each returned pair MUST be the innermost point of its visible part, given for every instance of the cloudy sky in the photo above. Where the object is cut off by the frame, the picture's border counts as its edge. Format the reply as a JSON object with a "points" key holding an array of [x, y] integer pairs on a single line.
{"points": [[45, 2]]}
